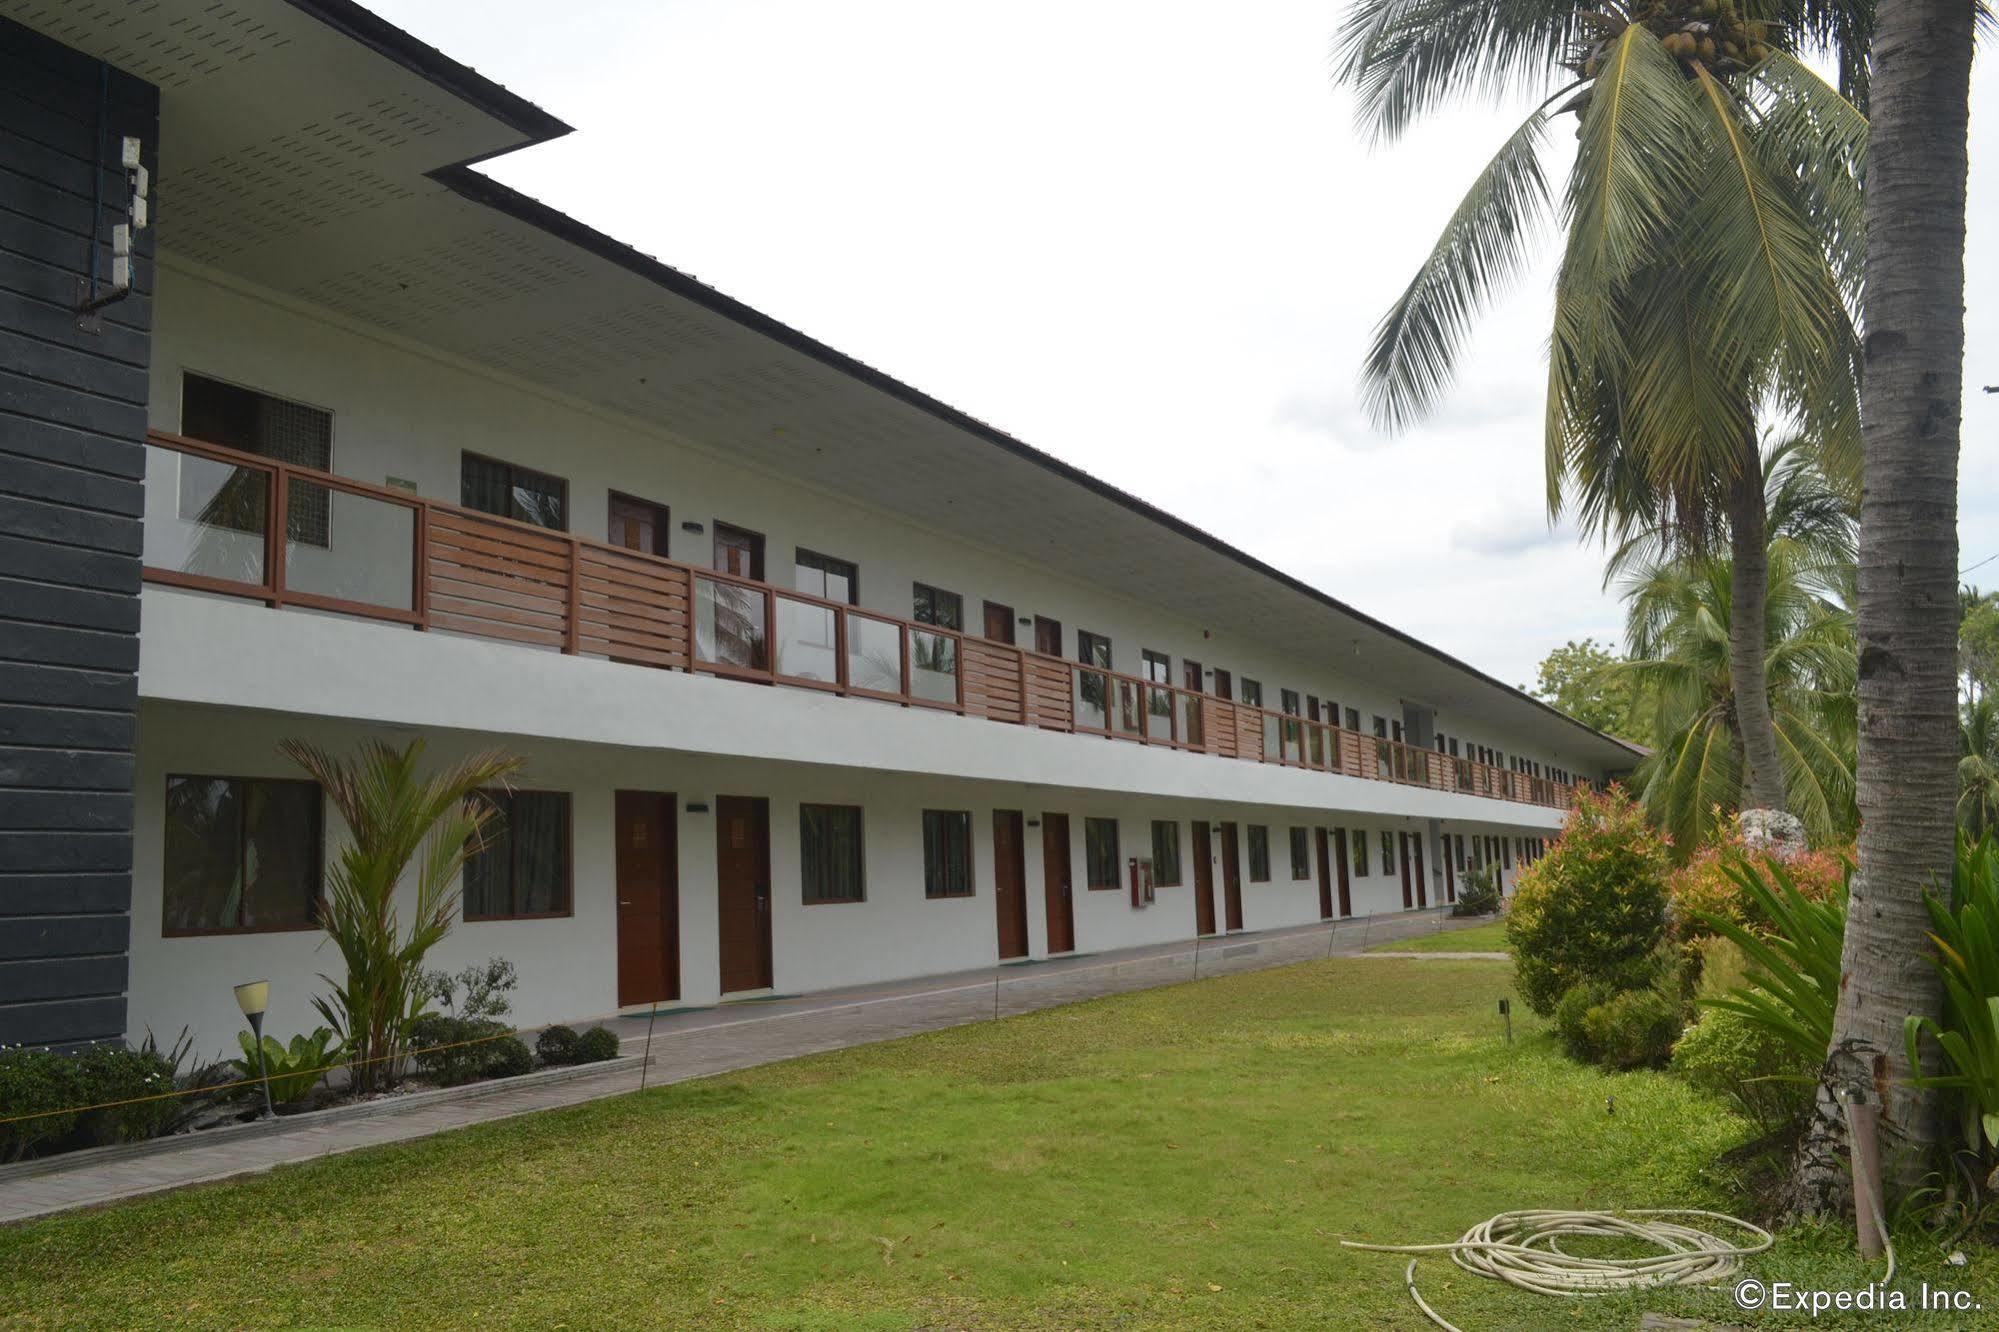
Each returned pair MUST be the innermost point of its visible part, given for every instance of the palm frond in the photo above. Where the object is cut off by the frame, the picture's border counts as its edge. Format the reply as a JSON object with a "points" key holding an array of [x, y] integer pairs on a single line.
{"points": [[1416, 344], [1405, 58]]}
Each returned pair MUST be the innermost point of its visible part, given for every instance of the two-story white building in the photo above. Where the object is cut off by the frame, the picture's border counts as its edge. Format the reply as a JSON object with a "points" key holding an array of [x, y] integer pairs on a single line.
{"points": [[817, 679]]}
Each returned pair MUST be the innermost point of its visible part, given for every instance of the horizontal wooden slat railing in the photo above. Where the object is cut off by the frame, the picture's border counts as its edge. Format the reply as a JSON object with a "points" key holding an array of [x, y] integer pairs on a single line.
{"points": [[442, 567]]}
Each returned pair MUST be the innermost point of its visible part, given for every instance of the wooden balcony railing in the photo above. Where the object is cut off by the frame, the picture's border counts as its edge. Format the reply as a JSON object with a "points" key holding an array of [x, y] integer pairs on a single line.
{"points": [[390, 555]]}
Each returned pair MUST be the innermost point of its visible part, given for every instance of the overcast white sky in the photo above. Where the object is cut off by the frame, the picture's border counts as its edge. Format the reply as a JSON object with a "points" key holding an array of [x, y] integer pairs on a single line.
{"points": [[1142, 236]]}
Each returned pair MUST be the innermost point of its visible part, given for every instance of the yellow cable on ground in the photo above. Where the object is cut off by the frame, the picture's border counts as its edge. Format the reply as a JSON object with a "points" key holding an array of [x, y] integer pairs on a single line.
{"points": [[1523, 1249]]}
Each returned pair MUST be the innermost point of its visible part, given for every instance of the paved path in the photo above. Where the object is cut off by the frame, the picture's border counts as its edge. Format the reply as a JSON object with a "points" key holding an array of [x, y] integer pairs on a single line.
{"points": [[685, 1043]]}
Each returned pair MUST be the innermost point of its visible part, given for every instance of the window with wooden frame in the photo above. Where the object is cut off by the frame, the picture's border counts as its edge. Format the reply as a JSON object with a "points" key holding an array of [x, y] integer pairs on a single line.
{"points": [[507, 490], [1359, 843], [1165, 853], [1353, 719], [1259, 853], [947, 853], [1093, 649], [242, 855], [1100, 853], [1301, 854], [521, 867], [1158, 667], [1252, 692], [933, 605], [270, 427], [823, 576], [832, 866], [1387, 852]]}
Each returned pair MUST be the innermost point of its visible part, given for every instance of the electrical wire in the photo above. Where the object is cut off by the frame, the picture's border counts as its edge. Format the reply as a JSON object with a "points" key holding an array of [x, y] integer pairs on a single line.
{"points": [[1523, 1249]]}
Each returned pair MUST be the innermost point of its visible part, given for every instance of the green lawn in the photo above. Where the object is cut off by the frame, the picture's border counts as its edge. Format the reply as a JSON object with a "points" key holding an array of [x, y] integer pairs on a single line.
{"points": [[1185, 1157], [1487, 938]]}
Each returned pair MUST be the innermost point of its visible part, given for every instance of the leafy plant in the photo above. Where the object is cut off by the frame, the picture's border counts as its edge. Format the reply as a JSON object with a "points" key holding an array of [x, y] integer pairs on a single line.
{"points": [[1480, 894], [596, 1045], [393, 814], [1793, 971], [190, 1079], [479, 991], [451, 1051], [1594, 907], [1704, 887], [294, 1069], [1966, 933], [557, 1046], [509, 1057], [42, 1084], [1746, 1064], [112, 1073]]}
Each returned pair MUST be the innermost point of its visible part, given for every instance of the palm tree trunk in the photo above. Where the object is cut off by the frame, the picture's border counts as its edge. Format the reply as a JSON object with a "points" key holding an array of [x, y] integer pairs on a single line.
{"points": [[1908, 613], [1748, 630]]}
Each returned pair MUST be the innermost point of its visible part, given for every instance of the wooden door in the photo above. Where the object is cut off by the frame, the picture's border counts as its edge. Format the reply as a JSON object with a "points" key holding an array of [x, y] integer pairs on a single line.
{"points": [[739, 552], [1416, 853], [999, 622], [648, 898], [1010, 883], [1231, 878], [1325, 874], [1343, 866], [1224, 684], [742, 853], [1056, 883], [1402, 850], [1047, 636], [1450, 867], [1204, 879], [637, 524]]}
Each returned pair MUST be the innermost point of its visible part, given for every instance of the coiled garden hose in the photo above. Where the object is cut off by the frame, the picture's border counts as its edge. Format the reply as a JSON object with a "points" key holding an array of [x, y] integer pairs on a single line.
{"points": [[1523, 1249]]}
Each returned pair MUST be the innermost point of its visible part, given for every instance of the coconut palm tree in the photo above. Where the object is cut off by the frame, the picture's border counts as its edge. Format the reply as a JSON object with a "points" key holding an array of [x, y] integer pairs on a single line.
{"points": [[1708, 272], [1908, 609], [1678, 640]]}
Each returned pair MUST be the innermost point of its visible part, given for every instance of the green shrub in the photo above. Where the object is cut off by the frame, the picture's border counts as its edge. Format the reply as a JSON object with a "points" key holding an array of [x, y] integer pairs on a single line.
{"points": [[557, 1046], [113, 1073], [1728, 1056], [1793, 965], [508, 1057], [1635, 1028], [451, 1051], [1571, 1019], [33, 1082], [1704, 887], [595, 1045], [294, 1069], [1480, 894], [1594, 907]]}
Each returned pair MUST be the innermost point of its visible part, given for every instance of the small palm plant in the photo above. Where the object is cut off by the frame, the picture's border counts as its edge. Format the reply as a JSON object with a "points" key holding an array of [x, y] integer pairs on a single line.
{"points": [[394, 815]]}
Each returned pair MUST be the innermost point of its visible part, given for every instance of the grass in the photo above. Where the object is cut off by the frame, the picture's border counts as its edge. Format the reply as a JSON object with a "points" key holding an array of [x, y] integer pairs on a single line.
{"points": [[1185, 1157], [1487, 938]]}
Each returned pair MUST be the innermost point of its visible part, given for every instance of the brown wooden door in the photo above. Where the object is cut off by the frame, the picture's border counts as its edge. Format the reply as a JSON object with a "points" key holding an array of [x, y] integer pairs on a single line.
{"points": [[1204, 879], [636, 524], [1010, 883], [1231, 878], [742, 854], [1402, 848], [1342, 868], [648, 898], [1224, 684], [1450, 867], [1325, 874], [999, 622], [1056, 883], [1047, 636], [1416, 853]]}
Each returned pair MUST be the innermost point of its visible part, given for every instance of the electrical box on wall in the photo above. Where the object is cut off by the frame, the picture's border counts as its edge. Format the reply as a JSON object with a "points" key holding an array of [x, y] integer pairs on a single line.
{"points": [[1141, 882]]}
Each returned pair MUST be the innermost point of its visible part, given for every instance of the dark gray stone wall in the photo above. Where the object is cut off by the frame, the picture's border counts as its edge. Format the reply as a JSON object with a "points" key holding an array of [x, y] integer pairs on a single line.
{"points": [[72, 463]]}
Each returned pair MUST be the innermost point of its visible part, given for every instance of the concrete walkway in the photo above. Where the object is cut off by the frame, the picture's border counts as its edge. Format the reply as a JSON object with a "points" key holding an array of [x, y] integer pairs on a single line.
{"points": [[685, 1043]]}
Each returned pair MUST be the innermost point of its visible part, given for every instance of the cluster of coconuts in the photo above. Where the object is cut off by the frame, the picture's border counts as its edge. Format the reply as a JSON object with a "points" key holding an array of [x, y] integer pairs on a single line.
{"points": [[1713, 33]]}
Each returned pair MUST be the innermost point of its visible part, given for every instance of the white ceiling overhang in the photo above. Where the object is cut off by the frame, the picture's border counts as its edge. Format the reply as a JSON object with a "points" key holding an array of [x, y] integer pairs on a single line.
{"points": [[313, 149]]}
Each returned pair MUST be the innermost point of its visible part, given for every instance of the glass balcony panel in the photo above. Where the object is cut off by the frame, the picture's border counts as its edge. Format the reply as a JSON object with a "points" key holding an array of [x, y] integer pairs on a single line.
{"points": [[729, 625], [1128, 720], [1093, 690], [1159, 713], [205, 517], [807, 646], [349, 546], [933, 666], [874, 654], [1273, 744]]}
